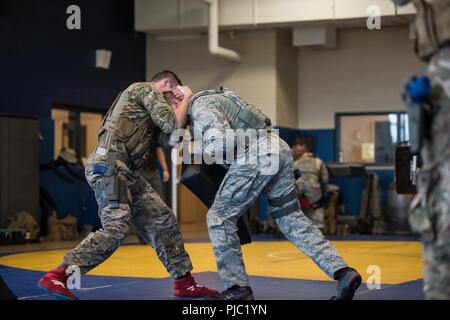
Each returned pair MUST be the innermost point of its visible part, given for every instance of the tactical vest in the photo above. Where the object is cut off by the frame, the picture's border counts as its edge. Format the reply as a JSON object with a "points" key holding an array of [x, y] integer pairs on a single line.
{"points": [[134, 133], [239, 113], [432, 26]]}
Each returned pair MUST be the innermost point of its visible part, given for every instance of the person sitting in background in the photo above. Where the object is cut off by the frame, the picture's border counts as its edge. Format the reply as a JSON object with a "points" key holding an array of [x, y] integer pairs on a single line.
{"points": [[312, 183]]}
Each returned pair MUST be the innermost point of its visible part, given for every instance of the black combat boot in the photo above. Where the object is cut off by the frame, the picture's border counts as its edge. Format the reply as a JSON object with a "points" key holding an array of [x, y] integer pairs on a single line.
{"points": [[349, 281], [234, 293]]}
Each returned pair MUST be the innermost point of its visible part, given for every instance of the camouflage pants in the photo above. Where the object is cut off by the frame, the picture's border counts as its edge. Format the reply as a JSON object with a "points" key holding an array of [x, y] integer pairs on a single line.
{"points": [[142, 208], [241, 186], [153, 177], [434, 187]]}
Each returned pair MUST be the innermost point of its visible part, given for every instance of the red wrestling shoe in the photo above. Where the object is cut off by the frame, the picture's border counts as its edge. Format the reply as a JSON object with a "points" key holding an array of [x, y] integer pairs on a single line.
{"points": [[188, 288], [54, 282]]}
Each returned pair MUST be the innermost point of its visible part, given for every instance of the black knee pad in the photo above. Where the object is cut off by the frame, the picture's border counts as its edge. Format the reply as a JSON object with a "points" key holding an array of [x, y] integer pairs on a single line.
{"points": [[280, 209]]}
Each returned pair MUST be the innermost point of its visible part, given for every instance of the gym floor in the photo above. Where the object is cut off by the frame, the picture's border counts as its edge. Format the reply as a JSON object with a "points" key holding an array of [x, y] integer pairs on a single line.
{"points": [[276, 268]]}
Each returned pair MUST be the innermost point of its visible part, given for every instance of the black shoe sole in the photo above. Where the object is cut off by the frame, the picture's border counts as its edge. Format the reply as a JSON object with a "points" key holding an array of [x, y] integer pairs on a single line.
{"points": [[249, 297], [348, 292]]}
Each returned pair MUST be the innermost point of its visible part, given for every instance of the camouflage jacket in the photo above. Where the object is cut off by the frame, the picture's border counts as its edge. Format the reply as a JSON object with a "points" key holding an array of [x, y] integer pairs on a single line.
{"points": [[217, 115], [206, 118], [432, 25], [134, 121]]}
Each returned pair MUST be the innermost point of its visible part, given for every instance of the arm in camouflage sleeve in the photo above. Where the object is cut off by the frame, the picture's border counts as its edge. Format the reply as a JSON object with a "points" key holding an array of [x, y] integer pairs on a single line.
{"points": [[153, 101], [208, 120]]}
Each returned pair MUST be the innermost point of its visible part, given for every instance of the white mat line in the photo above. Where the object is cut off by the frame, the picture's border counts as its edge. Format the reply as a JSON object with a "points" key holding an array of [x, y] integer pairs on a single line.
{"points": [[83, 289]]}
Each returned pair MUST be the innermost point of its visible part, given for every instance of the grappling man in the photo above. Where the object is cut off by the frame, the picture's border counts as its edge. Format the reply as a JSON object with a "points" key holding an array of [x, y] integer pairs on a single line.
{"points": [[213, 114], [124, 198]]}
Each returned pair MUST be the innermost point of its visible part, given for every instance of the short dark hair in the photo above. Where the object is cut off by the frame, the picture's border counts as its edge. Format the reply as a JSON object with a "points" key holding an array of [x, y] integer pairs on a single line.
{"points": [[299, 141], [166, 74]]}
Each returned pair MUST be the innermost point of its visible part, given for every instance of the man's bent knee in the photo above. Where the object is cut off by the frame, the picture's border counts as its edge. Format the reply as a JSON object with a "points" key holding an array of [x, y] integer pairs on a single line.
{"points": [[213, 220]]}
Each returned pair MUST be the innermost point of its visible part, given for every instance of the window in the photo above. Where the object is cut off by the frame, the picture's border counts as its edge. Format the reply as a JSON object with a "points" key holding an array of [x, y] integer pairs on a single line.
{"points": [[370, 138], [76, 130]]}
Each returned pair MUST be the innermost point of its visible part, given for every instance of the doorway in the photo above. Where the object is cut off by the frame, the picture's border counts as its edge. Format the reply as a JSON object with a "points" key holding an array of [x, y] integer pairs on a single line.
{"points": [[75, 129]]}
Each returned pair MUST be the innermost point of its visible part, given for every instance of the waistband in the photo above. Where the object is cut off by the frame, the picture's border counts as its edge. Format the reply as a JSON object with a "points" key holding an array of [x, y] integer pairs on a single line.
{"points": [[110, 157]]}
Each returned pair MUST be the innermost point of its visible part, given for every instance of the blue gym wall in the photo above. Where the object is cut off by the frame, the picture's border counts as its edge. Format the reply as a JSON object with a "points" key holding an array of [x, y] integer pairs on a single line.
{"points": [[43, 63]]}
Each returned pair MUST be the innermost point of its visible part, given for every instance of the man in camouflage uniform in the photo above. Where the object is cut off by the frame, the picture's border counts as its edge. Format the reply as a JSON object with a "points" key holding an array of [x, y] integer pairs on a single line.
{"points": [[151, 174], [312, 184], [124, 198], [430, 214], [213, 114]]}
